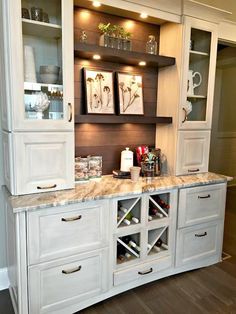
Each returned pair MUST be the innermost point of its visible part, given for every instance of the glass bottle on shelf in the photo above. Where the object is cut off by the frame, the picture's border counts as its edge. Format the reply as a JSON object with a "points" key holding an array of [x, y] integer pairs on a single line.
{"points": [[151, 45]]}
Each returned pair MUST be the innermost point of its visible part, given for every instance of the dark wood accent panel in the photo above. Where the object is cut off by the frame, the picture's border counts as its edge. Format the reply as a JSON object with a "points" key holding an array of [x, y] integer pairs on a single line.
{"points": [[96, 136], [109, 140], [86, 51], [88, 20]]}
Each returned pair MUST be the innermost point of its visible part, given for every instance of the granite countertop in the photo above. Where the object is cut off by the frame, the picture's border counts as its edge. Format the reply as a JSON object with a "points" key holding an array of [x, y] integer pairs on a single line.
{"points": [[109, 187]]}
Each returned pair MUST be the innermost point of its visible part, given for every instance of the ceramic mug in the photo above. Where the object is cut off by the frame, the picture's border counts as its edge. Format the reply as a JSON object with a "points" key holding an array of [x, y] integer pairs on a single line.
{"points": [[191, 85]]}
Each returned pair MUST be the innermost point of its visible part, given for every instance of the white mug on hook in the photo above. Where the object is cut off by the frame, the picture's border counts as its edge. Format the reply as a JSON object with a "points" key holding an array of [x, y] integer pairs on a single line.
{"points": [[191, 85]]}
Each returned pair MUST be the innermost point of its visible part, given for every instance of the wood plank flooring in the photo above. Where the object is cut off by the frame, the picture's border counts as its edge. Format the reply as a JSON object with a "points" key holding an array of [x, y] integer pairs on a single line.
{"points": [[210, 290]]}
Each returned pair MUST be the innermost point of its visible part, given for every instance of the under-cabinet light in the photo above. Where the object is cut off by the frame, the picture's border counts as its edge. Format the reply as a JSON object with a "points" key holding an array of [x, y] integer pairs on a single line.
{"points": [[96, 4], [143, 15], [96, 57], [142, 63]]}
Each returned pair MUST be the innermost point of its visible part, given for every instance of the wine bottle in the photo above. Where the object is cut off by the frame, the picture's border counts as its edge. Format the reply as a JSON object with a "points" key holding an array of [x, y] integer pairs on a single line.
{"points": [[121, 252], [164, 246], [159, 215], [130, 217], [159, 242], [127, 255], [149, 246], [123, 209], [126, 221], [133, 244], [161, 203], [156, 248], [149, 217]]}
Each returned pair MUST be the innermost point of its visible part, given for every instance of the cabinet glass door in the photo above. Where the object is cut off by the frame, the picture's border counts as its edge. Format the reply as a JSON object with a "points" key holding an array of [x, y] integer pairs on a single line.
{"points": [[46, 31], [199, 77], [42, 51]]}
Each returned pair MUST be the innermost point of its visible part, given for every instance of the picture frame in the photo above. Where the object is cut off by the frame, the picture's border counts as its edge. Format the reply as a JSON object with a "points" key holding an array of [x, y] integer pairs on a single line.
{"points": [[130, 93], [99, 91]]}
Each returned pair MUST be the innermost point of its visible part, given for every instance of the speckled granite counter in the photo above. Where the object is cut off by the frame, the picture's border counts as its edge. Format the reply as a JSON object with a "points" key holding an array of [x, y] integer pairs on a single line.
{"points": [[109, 187]]}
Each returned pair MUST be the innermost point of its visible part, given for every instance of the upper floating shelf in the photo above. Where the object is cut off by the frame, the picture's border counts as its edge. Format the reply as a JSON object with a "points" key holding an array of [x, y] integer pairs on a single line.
{"points": [[86, 51], [114, 119], [41, 29]]}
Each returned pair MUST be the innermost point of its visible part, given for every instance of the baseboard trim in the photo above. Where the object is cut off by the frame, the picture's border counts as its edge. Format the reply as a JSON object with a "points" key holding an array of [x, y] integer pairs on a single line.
{"points": [[4, 281]]}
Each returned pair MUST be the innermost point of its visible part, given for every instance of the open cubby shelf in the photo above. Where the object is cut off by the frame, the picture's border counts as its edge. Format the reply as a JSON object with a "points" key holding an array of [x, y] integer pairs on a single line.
{"points": [[86, 51], [113, 119]]}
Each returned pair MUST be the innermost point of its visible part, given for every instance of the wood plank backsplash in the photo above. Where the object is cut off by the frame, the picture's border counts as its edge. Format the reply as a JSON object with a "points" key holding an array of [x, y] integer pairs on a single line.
{"points": [[108, 140]]}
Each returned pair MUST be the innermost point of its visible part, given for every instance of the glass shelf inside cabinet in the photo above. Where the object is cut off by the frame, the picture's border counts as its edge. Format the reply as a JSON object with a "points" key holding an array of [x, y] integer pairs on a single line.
{"points": [[128, 248], [128, 212], [36, 94], [158, 207], [157, 241]]}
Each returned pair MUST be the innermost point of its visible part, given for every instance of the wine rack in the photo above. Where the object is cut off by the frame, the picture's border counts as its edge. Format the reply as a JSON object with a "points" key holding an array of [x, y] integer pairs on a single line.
{"points": [[158, 206], [158, 241], [128, 248], [128, 212]]}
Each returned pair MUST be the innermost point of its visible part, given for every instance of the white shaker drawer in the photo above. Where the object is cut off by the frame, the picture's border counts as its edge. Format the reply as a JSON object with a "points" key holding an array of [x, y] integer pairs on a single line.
{"points": [[61, 283], [67, 230], [198, 242], [201, 204], [141, 271]]}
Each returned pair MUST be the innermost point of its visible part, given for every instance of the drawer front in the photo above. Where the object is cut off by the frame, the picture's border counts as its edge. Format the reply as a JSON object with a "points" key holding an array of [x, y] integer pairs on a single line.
{"points": [[59, 232], [58, 284], [198, 242], [201, 204], [141, 271]]}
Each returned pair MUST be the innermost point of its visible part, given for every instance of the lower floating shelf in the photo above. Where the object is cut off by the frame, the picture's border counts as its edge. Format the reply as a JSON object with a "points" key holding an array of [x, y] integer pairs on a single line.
{"points": [[112, 119]]}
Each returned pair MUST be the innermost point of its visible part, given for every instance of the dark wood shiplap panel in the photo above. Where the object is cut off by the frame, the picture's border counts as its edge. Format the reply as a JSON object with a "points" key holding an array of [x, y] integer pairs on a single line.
{"points": [[108, 140]]}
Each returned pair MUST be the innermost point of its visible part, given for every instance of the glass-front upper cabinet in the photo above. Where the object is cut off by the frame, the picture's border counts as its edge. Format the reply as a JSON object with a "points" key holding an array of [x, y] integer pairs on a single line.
{"points": [[43, 87], [200, 45]]}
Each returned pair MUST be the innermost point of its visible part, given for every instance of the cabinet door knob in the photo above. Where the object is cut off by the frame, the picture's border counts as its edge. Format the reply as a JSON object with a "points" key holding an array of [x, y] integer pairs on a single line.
{"points": [[201, 234], [71, 218], [46, 187], [185, 115], [71, 271], [193, 170], [70, 112], [206, 196], [145, 272]]}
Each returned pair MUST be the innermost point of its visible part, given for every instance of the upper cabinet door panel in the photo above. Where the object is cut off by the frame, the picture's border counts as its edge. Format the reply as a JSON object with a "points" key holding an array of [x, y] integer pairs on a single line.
{"points": [[193, 152], [199, 61], [43, 161], [41, 65]]}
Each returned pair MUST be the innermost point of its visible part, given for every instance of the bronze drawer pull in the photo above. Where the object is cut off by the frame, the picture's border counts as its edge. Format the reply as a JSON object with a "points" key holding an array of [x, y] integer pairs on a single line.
{"points": [[71, 218], [201, 235], [145, 272], [71, 271], [207, 196], [70, 111], [193, 170], [46, 187]]}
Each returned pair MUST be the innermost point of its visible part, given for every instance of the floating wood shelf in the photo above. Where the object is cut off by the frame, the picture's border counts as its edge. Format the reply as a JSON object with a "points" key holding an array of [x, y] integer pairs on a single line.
{"points": [[113, 119], [86, 51]]}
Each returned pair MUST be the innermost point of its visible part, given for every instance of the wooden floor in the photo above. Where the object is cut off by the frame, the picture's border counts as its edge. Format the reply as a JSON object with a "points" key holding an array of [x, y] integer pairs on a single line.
{"points": [[208, 290]]}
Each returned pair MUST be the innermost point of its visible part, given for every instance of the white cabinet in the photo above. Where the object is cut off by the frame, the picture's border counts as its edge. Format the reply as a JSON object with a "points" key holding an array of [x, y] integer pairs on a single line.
{"points": [[193, 152], [37, 111], [40, 162], [56, 285], [199, 63], [60, 232], [190, 99], [47, 43], [143, 235], [200, 225]]}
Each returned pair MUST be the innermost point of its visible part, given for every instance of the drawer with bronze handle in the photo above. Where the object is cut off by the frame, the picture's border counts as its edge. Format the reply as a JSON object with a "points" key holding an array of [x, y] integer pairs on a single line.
{"points": [[63, 282], [201, 204], [66, 230], [198, 243]]}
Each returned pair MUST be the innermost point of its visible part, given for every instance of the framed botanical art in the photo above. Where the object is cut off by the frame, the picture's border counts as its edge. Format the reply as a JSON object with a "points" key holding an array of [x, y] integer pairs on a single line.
{"points": [[99, 92], [130, 94]]}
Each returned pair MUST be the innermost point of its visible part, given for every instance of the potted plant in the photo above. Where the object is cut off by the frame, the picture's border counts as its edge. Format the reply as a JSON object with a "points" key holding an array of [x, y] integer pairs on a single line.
{"points": [[106, 30]]}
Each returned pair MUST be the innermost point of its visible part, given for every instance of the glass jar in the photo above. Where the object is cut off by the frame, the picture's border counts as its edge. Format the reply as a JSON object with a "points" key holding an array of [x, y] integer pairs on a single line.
{"points": [[95, 167], [151, 45], [148, 168], [81, 169]]}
